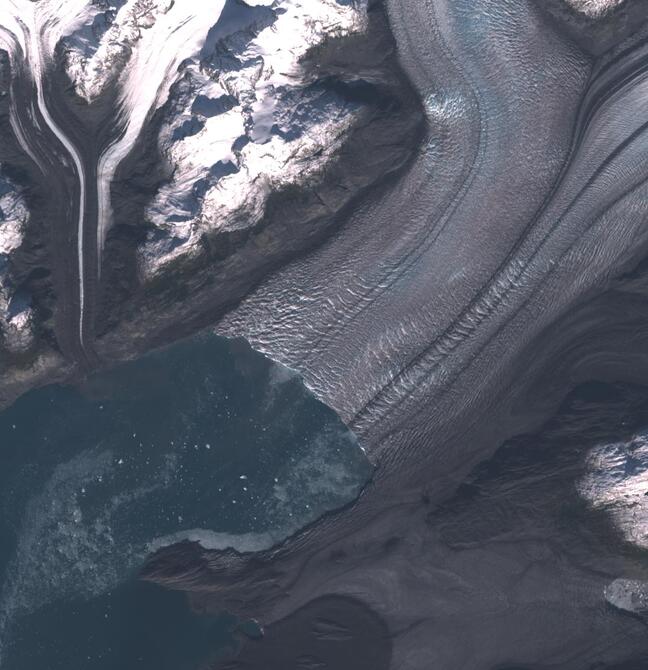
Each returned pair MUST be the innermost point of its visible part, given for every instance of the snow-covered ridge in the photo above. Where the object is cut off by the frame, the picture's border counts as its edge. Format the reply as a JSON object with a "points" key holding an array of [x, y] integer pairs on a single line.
{"points": [[93, 66], [15, 312], [166, 34], [151, 46], [261, 125], [247, 119]]}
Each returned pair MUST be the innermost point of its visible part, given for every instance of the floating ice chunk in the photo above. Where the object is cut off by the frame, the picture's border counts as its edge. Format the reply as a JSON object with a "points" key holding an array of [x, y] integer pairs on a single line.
{"points": [[213, 540]]}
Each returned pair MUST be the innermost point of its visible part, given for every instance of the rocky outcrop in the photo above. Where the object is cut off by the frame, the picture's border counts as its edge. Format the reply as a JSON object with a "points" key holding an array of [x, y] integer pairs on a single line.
{"points": [[15, 310], [203, 166], [617, 482]]}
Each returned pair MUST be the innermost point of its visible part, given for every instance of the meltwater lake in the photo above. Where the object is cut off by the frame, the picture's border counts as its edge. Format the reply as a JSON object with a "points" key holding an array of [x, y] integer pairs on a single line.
{"points": [[208, 441]]}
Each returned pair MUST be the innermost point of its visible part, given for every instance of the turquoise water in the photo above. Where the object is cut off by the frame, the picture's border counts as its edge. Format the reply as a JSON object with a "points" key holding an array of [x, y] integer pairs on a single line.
{"points": [[207, 440]]}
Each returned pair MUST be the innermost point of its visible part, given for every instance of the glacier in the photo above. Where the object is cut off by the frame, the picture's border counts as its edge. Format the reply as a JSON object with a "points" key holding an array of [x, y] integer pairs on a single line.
{"points": [[433, 210]]}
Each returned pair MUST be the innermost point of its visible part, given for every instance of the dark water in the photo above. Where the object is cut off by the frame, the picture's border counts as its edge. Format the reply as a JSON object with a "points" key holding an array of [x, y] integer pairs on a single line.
{"points": [[136, 625], [208, 441]]}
